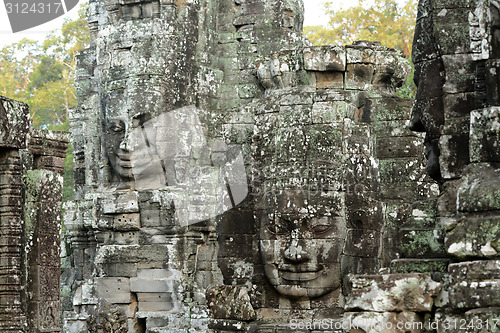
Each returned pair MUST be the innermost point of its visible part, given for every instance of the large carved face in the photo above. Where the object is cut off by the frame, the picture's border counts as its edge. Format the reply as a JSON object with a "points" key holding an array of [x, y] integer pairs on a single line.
{"points": [[117, 150], [301, 241]]}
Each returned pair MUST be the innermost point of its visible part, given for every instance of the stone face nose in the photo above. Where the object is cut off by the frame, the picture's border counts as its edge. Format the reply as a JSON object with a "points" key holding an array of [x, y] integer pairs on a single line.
{"points": [[296, 252], [124, 144]]}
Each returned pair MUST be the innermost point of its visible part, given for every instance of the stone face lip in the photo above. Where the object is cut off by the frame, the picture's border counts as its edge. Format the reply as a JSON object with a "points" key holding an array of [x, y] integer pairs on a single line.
{"points": [[230, 302], [392, 292]]}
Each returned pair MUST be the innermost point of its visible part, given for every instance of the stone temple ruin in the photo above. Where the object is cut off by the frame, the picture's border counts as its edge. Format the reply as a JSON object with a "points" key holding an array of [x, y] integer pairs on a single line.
{"points": [[230, 177], [31, 168]]}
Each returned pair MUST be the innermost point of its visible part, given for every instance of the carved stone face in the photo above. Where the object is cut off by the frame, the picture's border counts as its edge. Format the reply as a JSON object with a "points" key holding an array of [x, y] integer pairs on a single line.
{"points": [[117, 150], [301, 242]]}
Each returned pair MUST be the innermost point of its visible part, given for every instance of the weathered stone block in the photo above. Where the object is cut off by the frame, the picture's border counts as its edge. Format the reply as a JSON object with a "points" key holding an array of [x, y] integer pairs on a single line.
{"points": [[154, 285], [391, 108], [395, 147], [395, 292], [121, 202], [154, 297], [325, 58], [458, 105], [123, 260], [460, 77], [479, 191], [127, 222], [399, 178], [447, 322], [358, 76], [327, 112], [362, 243], [453, 38], [114, 290], [367, 216], [484, 135], [329, 80], [230, 302], [359, 54], [15, 124], [486, 320], [156, 306], [474, 284], [474, 237]]}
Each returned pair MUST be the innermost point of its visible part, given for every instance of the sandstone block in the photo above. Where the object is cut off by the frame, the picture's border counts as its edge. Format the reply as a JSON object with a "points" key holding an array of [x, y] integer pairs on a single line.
{"points": [[15, 123], [154, 286], [325, 58], [329, 80], [114, 290], [395, 292], [480, 189], [154, 297], [484, 138], [358, 76], [485, 320], [474, 237], [327, 112], [474, 284], [359, 54], [127, 222], [156, 306], [121, 202], [230, 302]]}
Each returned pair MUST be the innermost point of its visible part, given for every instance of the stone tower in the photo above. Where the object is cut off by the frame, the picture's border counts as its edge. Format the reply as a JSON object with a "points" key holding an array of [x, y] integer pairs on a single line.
{"points": [[232, 177]]}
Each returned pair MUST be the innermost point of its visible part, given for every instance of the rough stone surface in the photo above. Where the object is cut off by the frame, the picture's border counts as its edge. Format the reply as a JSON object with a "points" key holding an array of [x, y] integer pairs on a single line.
{"points": [[216, 148], [236, 302], [456, 55], [392, 293], [474, 284], [30, 222]]}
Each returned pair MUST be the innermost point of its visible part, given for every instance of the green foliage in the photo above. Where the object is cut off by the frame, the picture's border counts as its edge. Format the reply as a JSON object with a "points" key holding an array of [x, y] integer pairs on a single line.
{"points": [[321, 35], [42, 75], [48, 70], [384, 21]]}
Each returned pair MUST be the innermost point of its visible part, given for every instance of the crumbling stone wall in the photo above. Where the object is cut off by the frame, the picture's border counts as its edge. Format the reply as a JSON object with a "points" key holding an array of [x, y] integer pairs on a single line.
{"points": [[455, 70], [31, 173], [464, 37], [231, 177], [131, 246], [329, 145]]}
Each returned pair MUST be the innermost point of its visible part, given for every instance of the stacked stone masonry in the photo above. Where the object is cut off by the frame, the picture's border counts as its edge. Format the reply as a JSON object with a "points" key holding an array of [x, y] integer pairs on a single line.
{"points": [[230, 177], [32, 164]]}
